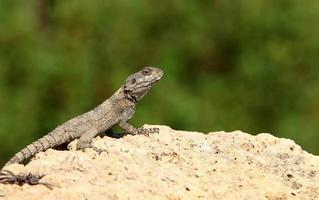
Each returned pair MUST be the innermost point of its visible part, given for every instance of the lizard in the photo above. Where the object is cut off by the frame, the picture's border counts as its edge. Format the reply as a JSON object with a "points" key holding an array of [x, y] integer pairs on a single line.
{"points": [[116, 110]]}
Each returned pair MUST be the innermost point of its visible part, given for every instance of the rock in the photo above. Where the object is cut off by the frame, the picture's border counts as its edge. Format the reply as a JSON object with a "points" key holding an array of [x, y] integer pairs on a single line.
{"points": [[175, 165]]}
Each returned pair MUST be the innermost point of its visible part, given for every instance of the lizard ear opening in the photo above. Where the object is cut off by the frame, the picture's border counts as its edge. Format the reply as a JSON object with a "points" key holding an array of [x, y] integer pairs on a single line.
{"points": [[129, 84], [133, 81]]}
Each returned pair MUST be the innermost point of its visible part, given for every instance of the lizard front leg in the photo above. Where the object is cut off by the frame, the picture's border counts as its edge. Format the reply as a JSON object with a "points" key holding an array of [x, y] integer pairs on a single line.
{"points": [[86, 139], [136, 131]]}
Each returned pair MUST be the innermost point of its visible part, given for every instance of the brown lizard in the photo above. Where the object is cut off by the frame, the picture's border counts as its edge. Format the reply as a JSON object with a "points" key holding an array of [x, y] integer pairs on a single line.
{"points": [[116, 110]]}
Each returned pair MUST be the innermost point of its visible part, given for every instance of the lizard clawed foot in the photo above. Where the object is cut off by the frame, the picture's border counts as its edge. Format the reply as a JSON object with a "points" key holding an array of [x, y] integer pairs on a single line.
{"points": [[147, 131], [82, 146], [8, 177], [98, 150]]}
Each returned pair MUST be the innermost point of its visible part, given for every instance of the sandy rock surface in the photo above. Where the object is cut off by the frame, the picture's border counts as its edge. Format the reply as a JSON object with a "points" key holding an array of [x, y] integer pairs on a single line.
{"points": [[174, 165]]}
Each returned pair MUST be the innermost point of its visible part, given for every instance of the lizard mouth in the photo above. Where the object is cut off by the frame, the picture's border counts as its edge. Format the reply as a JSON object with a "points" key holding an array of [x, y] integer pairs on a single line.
{"points": [[159, 76], [157, 79], [153, 81]]}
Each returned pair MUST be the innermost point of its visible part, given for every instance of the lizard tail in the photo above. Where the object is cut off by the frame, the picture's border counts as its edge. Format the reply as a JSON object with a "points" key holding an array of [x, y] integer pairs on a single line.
{"points": [[48, 141]]}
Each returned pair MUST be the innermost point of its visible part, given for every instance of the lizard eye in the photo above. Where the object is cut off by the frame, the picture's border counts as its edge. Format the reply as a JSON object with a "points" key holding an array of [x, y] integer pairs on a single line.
{"points": [[146, 71]]}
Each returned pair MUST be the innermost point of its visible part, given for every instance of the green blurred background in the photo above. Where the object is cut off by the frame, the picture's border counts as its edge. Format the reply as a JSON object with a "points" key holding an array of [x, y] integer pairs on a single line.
{"points": [[229, 65]]}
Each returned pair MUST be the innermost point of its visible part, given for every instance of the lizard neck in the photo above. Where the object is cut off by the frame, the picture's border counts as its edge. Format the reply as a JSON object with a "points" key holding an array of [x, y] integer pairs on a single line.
{"points": [[121, 95]]}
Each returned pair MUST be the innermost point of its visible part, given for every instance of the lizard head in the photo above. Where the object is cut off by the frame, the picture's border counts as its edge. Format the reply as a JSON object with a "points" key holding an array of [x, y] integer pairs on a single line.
{"points": [[139, 83]]}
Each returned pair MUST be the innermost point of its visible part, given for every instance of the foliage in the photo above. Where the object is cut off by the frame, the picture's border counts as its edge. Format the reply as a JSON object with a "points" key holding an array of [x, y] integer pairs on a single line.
{"points": [[249, 65]]}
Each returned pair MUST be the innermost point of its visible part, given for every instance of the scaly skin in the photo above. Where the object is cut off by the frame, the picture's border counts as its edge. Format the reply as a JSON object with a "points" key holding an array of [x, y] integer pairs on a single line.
{"points": [[117, 109]]}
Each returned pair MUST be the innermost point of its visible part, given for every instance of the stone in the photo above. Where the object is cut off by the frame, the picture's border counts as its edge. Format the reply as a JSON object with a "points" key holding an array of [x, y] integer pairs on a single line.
{"points": [[174, 165]]}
